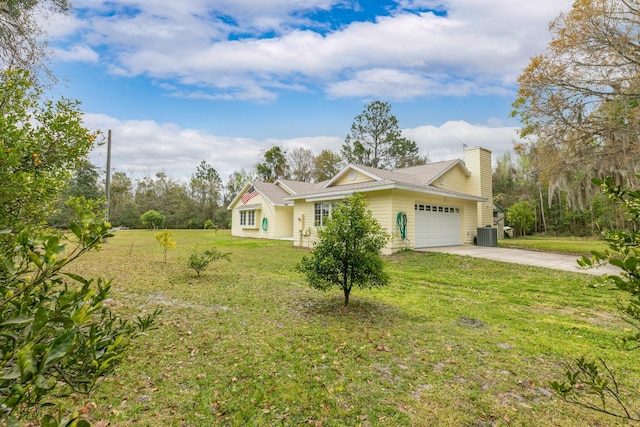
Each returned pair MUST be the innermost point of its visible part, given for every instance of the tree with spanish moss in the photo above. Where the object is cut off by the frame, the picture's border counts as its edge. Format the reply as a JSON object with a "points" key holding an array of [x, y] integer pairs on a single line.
{"points": [[579, 102]]}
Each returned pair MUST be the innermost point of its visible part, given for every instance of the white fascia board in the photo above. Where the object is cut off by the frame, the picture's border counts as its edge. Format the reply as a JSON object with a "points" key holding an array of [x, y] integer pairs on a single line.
{"points": [[432, 191], [255, 207], [437, 192], [344, 193]]}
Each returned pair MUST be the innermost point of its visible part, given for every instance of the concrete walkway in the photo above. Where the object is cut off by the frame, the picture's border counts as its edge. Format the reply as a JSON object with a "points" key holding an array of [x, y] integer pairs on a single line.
{"points": [[525, 257]]}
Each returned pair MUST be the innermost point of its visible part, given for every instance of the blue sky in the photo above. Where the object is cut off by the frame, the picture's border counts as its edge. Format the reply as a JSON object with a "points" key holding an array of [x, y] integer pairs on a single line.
{"points": [[178, 82]]}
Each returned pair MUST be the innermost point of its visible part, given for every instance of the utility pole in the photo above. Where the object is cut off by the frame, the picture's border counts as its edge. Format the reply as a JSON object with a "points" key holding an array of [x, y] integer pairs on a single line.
{"points": [[108, 179]]}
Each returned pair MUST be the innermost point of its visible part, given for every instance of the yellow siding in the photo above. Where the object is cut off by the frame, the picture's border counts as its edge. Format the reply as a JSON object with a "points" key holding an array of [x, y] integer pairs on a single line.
{"points": [[283, 222], [303, 230], [346, 179], [385, 206], [404, 201], [454, 179], [280, 220], [236, 229], [478, 161], [469, 213]]}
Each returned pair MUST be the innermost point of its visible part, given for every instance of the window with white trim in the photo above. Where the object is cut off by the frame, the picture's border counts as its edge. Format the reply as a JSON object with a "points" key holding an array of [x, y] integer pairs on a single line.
{"points": [[248, 218], [320, 212]]}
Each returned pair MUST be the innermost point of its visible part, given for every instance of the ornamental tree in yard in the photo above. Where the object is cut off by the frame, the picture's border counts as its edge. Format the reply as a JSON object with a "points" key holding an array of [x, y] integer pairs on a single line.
{"points": [[152, 219], [349, 251], [164, 239], [522, 217]]}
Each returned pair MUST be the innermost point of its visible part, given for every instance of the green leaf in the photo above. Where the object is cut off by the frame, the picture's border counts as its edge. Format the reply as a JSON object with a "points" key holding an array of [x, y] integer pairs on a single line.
{"points": [[617, 262], [49, 421], [59, 347], [78, 278], [40, 319], [26, 361], [20, 320], [76, 230], [12, 373]]}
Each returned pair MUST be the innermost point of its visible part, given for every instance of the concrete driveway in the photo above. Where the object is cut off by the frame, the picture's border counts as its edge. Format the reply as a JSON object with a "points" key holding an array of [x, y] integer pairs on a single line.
{"points": [[525, 257]]}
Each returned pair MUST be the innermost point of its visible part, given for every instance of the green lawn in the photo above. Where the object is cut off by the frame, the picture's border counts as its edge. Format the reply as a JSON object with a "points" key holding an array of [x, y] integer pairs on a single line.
{"points": [[452, 341], [573, 245]]}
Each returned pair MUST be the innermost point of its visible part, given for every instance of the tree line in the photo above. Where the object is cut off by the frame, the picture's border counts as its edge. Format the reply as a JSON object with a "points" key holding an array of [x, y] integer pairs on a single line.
{"points": [[375, 140]]}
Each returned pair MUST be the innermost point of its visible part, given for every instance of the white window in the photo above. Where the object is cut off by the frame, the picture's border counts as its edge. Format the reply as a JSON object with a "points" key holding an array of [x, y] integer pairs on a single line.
{"points": [[248, 218], [321, 211]]}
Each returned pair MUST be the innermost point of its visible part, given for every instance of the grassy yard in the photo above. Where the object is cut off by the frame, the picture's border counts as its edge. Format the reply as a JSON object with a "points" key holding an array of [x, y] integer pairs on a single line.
{"points": [[452, 341], [573, 245]]}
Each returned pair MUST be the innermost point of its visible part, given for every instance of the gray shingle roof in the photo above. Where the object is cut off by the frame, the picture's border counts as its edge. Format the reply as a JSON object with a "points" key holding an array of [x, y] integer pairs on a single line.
{"points": [[272, 192], [430, 172], [299, 187], [418, 178]]}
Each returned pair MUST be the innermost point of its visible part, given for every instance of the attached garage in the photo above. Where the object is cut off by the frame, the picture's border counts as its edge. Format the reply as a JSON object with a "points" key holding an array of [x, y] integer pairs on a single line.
{"points": [[437, 225]]}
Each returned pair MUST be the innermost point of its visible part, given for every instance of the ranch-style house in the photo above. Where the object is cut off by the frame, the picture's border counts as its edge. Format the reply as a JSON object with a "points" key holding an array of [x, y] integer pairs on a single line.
{"points": [[437, 204]]}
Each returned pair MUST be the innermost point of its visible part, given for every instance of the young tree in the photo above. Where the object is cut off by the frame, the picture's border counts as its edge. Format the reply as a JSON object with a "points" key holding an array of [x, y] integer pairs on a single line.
{"points": [[522, 217], [274, 166], [164, 239], [375, 140], [326, 165], [152, 219], [349, 251], [199, 261]]}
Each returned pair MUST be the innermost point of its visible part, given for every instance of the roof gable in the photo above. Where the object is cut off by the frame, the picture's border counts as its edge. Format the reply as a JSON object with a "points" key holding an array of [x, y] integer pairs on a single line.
{"points": [[271, 192], [352, 174]]}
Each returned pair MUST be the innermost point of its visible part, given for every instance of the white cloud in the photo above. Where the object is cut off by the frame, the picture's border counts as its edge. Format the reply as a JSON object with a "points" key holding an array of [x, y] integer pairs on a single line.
{"points": [[401, 85], [77, 54], [477, 47], [59, 26], [445, 142], [147, 147]]}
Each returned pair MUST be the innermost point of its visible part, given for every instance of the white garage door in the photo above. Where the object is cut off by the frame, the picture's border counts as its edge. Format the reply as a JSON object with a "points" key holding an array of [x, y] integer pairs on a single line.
{"points": [[437, 226]]}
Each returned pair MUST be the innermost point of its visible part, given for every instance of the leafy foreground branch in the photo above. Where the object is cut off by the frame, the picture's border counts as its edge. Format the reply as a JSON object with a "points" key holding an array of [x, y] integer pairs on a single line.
{"points": [[592, 384], [55, 329]]}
